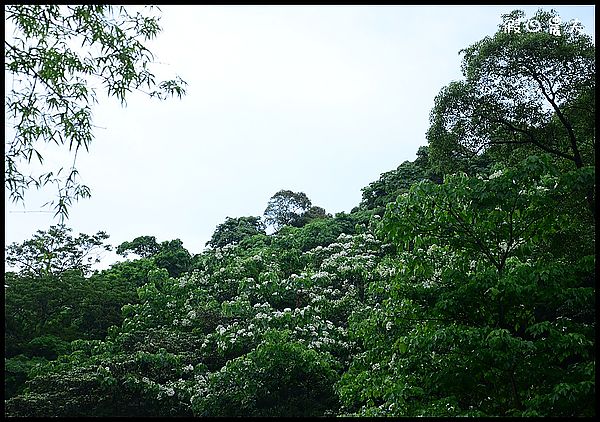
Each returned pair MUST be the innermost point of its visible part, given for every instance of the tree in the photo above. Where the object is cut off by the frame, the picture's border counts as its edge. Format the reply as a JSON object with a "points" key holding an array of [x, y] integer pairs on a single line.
{"points": [[68, 306], [524, 92], [280, 378], [144, 246], [131, 272], [238, 335], [286, 208], [485, 316], [170, 255], [55, 56], [41, 307], [395, 182], [313, 213], [389, 185], [173, 257], [56, 251], [234, 230], [44, 313]]}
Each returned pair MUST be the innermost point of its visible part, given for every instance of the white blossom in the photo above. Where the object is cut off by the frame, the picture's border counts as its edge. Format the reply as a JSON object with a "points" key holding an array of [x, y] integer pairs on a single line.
{"points": [[496, 174]]}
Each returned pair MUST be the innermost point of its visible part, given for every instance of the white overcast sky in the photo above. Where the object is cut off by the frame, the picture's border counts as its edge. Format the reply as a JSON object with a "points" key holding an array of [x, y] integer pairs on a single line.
{"points": [[318, 99]]}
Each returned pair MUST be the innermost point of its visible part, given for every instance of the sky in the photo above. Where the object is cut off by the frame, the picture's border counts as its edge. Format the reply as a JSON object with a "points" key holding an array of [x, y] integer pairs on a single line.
{"points": [[313, 99]]}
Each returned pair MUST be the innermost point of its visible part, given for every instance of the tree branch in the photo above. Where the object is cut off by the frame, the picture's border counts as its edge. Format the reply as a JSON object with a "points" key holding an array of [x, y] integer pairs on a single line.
{"points": [[532, 140], [576, 155]]}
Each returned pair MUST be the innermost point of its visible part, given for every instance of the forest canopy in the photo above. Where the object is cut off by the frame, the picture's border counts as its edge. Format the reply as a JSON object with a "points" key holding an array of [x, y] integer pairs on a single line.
{"points": [[463, 284]]}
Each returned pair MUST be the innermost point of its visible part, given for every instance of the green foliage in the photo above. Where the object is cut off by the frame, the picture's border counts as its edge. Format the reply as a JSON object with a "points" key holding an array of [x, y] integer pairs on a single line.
{"points": [[55, 251], [474, 296], [16, 372], [170, 255], [287, 208], [485, 316], [395, 182], [54, 56], [204, 324], [489, 218], [144, 246], [126, 275], [45, 312], [279, 378], [67, 306], [173, 257], [313, 213], [464, 303], [234, 230], [39, 307], [319, 232], [524, 92]]}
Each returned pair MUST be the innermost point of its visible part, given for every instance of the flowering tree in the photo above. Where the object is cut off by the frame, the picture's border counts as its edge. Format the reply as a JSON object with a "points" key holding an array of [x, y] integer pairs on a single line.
{"points": [[485, 315], [218, 340]]}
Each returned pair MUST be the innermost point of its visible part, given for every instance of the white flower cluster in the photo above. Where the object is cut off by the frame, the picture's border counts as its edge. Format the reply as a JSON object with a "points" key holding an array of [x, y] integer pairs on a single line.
{"points": [[165, 391], [320, 275], [386, 271], [496, 174]]}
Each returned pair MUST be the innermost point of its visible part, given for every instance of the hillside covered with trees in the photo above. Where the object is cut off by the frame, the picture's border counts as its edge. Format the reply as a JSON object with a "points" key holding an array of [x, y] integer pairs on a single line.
{"points": [[462, 284]]}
